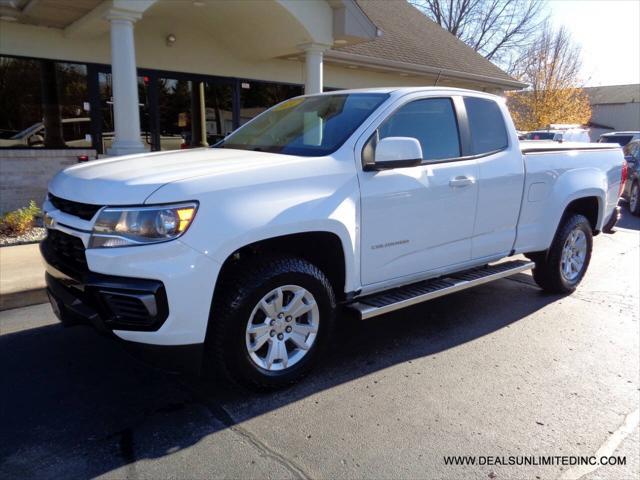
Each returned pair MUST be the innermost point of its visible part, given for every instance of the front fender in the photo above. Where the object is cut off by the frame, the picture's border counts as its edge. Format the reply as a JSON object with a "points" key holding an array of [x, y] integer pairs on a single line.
{"points": [[228, 220]]}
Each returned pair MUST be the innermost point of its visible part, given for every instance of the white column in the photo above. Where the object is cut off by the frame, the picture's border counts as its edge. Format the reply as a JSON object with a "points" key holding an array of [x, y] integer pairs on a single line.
{"points": [[126, 107], [313, 67]]}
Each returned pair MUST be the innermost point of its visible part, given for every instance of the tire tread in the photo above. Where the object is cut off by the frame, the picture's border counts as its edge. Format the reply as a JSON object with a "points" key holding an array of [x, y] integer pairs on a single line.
{"points": [[238, 285], [547, 272]]}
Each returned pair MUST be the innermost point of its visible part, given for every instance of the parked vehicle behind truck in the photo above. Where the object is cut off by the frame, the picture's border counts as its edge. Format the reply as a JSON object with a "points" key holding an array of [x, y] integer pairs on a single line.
{"points": [[619, 138], [631, 188], [240, 257], [573, 134]]}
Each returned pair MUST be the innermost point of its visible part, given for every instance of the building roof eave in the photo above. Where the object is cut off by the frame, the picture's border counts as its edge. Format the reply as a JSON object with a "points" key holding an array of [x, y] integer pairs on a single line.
{"points": [[395, 65]]}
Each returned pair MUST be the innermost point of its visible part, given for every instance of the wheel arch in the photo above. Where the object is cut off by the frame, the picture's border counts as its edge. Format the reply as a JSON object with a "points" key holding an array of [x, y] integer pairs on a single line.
{"points": [[324, 249], [589, 206]]}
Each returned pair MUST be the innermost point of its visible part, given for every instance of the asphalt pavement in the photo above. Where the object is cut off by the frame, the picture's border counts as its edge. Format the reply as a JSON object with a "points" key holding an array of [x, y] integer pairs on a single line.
{"points": [[497, 371]]}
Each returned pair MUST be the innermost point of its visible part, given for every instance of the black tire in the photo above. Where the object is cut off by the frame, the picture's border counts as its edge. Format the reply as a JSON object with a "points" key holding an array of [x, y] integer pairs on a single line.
{"points": [[241, 291], [635, 211], [547, 272]]}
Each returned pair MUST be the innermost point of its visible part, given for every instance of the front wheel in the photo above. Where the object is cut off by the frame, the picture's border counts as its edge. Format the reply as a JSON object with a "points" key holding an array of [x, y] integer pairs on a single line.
{"points": [[272, 322], [566, 262]]}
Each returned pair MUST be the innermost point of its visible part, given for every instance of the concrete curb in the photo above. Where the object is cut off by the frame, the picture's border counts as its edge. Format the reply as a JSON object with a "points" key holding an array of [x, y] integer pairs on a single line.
{"points": [[21, 277], [25, 298]]}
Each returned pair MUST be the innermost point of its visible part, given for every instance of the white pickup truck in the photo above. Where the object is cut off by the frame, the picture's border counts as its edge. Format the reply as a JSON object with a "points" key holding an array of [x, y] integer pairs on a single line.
{"points": [[240, 256]]}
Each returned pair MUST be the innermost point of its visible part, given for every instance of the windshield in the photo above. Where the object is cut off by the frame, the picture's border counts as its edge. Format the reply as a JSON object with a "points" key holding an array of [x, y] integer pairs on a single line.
{"points": [[307, 126], [621, 140]]}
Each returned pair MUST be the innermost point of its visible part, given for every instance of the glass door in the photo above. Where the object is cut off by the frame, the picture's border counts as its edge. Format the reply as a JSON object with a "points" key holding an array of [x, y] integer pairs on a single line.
{"points": [[176, 110], [219, 111], [193, 112]]}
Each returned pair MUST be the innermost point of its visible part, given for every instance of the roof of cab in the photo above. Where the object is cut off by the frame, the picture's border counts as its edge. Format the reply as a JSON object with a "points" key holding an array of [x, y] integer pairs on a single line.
{"points": [[406, 90]]}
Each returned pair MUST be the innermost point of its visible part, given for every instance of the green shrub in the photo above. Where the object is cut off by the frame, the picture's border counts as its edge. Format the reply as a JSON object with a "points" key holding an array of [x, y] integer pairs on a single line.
{"points": [[19, 221]]}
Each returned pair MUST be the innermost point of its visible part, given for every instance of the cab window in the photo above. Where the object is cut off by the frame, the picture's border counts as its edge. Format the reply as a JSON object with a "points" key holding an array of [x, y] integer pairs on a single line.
{"points": [[488, 131], [432, 121]]}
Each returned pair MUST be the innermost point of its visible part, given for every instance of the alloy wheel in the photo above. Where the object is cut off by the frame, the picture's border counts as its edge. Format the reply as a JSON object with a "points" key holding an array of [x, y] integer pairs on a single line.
{"points": [[574, 254], [282, 328]]}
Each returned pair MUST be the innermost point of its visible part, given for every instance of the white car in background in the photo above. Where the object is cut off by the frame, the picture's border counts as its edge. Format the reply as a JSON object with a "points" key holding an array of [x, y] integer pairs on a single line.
{"points": [[76, 134], [559, 134], [74, 131]]}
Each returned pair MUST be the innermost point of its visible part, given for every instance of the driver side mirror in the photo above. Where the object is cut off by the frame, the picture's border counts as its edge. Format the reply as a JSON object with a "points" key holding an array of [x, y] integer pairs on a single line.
{"points": [[397, 152]]}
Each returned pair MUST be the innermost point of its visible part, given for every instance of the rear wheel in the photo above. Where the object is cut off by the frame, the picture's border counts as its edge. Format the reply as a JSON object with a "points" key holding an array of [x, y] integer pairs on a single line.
{"points": [[271, 322], [566, 262], [634, 199]]}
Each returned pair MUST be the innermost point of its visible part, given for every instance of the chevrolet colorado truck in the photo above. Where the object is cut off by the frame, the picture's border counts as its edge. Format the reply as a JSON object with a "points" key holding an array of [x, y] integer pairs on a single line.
{"points": [[241, 256]]}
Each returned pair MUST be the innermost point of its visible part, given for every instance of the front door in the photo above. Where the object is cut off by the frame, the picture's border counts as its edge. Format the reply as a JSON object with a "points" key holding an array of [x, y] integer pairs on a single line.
{"points": [[418, 219]]}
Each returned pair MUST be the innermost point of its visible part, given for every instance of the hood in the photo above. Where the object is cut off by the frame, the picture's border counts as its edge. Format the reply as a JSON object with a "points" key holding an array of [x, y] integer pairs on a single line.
{"points": [[130, 179]]}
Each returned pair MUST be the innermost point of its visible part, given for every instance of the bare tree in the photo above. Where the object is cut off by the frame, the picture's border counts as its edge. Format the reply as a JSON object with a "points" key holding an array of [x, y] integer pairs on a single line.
{"points": [[497, 29], [551, 66]]}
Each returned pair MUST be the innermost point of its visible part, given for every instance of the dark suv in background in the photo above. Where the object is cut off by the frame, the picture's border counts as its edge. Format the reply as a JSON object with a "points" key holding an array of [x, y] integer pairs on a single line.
{"points": [[621, 138], [631, 190]]}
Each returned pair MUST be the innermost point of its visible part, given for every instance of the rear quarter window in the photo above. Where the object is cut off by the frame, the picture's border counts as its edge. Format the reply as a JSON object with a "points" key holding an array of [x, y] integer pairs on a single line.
{"points": [[621, 140], [486, 123]]}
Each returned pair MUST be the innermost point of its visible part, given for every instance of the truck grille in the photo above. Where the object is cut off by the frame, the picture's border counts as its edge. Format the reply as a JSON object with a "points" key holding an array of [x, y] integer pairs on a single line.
{"points": [[68, 249], [85, 211]]}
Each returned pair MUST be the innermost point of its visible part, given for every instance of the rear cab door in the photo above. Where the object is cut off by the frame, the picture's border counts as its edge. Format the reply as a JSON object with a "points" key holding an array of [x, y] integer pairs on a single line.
{"points": [[495, 145]]}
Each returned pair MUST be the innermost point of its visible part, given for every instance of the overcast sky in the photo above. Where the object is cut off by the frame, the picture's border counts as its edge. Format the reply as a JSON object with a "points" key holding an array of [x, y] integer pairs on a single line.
{"points": [[608, 32]]}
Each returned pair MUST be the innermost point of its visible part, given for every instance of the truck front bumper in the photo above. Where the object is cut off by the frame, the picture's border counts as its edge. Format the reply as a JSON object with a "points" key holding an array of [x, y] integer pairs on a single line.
{"points": [[162, 319], [75, 303]]}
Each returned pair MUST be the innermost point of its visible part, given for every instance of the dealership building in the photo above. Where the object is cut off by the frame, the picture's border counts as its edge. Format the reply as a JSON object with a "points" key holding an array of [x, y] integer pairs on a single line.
{"points": [[95, 77]]}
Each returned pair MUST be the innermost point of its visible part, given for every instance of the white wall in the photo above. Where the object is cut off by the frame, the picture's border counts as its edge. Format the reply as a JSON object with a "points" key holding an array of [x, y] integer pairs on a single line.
{"points": [[619, 116], [25, 173], [195, 51]]}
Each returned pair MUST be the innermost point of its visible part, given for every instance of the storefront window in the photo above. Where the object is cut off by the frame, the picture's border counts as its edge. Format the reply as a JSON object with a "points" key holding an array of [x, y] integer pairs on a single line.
{"points": [[185, 105], [73, 101], [174, 109], [46, 104], [43, 104], [256, 97], [219, 118]]}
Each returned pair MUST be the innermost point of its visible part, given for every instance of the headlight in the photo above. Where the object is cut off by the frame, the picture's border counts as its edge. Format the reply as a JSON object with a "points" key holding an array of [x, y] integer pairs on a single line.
{"points": [[127, 226]]}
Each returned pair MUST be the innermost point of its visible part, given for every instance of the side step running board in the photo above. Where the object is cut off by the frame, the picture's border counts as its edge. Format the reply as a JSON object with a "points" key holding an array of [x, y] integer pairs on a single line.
{"points": [[397, 298]]}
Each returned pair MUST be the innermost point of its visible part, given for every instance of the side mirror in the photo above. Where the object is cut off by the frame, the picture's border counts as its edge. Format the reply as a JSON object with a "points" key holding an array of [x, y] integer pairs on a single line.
{"points": [[397, 152]]}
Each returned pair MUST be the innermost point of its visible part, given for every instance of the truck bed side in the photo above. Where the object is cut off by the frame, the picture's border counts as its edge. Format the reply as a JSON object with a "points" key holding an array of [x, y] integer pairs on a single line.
{"points": [[558, 174]]}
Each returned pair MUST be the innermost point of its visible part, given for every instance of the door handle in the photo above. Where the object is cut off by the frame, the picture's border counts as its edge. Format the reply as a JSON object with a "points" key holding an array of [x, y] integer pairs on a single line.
{"points": [[461, 181]]}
